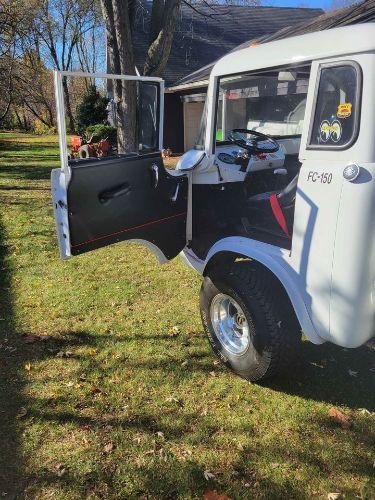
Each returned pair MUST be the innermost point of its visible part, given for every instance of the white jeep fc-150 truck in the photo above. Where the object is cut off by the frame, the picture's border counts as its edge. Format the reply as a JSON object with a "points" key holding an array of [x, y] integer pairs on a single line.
{"points": [[275, 206]]}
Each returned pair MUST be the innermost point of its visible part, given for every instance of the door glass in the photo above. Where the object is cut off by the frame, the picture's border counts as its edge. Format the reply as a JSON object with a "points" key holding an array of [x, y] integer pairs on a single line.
{"points": [[106, 117], [148, 126], [336, 109]]}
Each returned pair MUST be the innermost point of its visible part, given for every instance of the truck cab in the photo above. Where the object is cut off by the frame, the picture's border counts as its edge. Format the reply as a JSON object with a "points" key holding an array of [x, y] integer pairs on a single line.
{"points": [[274, 206]]}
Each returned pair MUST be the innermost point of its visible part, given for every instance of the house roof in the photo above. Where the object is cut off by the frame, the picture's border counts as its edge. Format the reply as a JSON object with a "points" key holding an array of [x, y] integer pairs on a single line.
{"points": [[359, 13], [210, 31], [299, 49]]}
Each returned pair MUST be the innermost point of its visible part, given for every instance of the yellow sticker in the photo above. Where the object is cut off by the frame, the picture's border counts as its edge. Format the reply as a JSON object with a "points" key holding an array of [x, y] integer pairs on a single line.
{"points": [[344, 110]]}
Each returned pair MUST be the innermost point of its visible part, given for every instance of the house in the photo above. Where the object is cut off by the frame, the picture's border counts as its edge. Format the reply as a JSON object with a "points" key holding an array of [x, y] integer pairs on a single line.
{"points": [[184, 100], [205, 32]]}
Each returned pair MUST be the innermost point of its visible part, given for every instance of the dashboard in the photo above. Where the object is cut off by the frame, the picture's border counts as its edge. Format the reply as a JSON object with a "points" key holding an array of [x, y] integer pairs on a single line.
{"points": [[234, 163]]}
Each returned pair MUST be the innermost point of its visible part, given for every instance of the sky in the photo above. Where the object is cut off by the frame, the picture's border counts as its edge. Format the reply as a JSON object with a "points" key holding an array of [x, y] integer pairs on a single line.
{"points": [[323, 4]]}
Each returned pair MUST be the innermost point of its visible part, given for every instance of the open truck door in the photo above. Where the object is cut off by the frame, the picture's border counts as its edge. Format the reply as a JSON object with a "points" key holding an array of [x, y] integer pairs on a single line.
{"points": [[114, 197]]}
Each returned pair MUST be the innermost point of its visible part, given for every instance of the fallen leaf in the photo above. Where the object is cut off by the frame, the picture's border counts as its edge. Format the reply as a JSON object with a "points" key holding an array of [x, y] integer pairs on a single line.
{"points": [[108, 447], [172, 399], [95, 390], [22, 412], [160, 434], [208, 475], [174, 331], [60, 470], [64, 354], [214, 495], [339, 417], [28, 366], [333, 496], [352, 373], [70, 384], [184, 363]]}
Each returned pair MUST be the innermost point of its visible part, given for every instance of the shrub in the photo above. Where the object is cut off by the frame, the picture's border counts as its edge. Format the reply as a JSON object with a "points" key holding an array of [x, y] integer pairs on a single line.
{"points": [[100, 131], [92, 109]]}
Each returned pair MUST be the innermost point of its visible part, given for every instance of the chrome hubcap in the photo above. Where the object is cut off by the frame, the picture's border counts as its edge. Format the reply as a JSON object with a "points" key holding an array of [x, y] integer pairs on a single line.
{"points": [[230, 324]]}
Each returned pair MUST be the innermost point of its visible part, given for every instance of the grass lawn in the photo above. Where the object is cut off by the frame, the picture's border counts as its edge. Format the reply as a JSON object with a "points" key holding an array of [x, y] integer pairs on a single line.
{"points": [[108, 388]]}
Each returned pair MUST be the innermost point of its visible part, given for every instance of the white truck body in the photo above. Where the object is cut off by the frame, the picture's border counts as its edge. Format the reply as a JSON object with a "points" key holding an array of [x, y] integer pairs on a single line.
{"points": [[328, 270]]}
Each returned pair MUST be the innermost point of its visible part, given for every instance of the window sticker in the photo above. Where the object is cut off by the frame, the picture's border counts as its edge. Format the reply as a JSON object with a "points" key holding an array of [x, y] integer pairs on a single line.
{"points": [[344, 110], [330, 131]]}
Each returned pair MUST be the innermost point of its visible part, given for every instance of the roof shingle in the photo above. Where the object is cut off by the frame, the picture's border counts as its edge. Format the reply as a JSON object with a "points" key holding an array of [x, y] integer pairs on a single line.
{"points": [[358, 13], [204, 37]]}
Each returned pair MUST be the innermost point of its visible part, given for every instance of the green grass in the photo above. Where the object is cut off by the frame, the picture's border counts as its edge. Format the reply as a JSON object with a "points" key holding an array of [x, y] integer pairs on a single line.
{"points": [[116, 403]]}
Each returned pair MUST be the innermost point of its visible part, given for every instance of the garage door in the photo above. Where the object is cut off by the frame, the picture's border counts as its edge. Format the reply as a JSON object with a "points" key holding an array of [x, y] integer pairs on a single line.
{"points": [[192, 118]]}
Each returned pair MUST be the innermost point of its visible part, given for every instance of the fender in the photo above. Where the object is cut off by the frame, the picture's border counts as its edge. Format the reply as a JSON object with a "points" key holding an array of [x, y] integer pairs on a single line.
{"points": [[276, 260]]}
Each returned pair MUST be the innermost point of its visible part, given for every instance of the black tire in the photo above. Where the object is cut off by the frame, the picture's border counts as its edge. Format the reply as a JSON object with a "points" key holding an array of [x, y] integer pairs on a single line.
{"points": [[274, 331]]}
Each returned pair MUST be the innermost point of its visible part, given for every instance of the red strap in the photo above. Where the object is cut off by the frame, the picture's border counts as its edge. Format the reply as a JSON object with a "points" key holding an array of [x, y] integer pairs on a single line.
{"points": [[278, 213]]}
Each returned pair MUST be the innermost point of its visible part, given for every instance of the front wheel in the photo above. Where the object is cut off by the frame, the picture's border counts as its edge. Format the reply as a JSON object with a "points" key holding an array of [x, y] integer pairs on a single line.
{"points": [[249, 323]]}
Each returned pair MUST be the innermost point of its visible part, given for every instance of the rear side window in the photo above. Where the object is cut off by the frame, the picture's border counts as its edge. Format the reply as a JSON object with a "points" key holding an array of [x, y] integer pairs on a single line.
{"points": [[336, 116]]}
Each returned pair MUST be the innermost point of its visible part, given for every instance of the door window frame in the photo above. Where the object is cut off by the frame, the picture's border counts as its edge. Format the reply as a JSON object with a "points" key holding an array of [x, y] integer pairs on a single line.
{"points": [[60, 105], [357, 106]]}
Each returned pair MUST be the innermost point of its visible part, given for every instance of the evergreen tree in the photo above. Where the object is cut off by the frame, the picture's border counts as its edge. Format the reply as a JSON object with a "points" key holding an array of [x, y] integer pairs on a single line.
{"points": [[92, 109]]}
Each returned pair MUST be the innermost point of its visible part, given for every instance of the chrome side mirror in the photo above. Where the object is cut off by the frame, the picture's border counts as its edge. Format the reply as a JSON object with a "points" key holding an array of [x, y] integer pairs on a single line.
{"points": [[190, 160]]}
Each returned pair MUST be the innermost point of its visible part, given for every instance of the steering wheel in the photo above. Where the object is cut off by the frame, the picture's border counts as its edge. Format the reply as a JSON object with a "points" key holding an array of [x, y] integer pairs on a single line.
{"points": [[242, 137]]}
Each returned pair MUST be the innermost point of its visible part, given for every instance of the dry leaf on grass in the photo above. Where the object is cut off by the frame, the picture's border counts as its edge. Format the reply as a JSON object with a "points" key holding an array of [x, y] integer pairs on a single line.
{"points": [[28, 366], [108, 447], [174, 331], [339, 417], [333, 496], [214, 495], [64, 354], [208, 475]]}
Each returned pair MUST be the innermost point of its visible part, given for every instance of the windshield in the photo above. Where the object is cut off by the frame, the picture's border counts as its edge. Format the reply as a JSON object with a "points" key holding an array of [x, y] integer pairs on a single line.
{"points": [[272, 103]]}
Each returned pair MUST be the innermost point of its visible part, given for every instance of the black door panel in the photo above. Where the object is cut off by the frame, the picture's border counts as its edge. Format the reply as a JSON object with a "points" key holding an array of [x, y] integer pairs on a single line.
{"points": [[122, 198]]}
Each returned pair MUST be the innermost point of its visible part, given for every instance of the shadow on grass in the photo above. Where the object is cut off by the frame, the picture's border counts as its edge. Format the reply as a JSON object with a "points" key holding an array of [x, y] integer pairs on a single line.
{"points": [[31, 172], [167, 478], [334, 375], [325, 373], [11, 385]]}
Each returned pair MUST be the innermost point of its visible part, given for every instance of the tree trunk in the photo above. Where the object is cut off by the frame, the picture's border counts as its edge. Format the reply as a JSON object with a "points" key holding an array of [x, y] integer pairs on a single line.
{"points": [[68, 106], [121, 61], [160, 48]]}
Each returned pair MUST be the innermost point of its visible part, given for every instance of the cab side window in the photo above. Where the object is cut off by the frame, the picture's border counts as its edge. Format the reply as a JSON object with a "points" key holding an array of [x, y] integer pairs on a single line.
{"points": [[336, 116]]}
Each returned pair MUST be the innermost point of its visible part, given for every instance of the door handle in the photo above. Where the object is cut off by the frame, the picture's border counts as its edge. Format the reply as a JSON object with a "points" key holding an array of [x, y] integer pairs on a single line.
{"points": [[115, 192], [175, 195], [155, 173]]}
